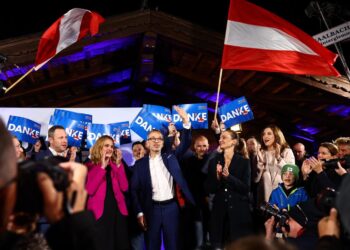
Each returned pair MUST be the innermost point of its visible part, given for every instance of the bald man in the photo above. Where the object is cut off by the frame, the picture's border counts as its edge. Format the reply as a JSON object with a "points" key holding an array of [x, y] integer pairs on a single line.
{"points": [[299, 153]]}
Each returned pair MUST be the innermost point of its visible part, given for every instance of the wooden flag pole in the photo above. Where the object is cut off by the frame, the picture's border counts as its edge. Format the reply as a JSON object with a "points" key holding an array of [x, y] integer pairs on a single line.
{"points": [[218, 95], [20, 79]]}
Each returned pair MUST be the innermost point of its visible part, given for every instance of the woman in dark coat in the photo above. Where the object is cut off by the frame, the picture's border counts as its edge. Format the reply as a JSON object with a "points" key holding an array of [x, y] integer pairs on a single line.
{"points": [[229, 179]]}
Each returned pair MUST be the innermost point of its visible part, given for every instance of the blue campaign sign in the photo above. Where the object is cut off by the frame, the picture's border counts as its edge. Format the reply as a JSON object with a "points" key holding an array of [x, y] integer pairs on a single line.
{"points": [[163, 114], [75, 129], [24, 129], [60, 113], [237, 111], [144, 123], [83, 118], [120, 132], [95, 131], [197, 113]]}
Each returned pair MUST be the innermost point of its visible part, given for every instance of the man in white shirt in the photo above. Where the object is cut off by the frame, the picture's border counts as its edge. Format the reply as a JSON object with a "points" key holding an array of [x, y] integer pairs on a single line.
{"points": [[153, 190]]}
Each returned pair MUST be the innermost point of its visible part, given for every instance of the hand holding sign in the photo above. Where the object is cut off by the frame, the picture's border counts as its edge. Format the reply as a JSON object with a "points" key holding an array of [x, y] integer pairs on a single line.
{"points": [[183, 114]]}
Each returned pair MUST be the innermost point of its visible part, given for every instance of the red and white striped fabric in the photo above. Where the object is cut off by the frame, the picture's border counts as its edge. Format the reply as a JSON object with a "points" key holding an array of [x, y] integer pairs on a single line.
{"points": [[68, 29], [259, 40]]}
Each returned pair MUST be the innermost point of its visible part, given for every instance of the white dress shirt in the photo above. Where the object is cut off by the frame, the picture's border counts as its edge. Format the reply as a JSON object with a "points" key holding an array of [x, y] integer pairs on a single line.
{"points": [[55, 153], [162, 181]]}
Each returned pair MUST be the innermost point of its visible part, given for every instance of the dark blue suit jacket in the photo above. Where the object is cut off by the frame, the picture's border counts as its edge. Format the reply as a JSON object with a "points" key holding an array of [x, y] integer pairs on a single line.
{"points": [[42, 154], [47, 153], [141, 183]]}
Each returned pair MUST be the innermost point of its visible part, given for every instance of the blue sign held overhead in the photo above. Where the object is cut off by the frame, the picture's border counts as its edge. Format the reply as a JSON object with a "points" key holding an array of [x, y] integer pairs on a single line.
{"points": [[163, 114], [144, 123], [95, 131], [237, 111], [197, 113], [83, 118], [75, 129], [24, 129], [73, 115], [120, 132]]}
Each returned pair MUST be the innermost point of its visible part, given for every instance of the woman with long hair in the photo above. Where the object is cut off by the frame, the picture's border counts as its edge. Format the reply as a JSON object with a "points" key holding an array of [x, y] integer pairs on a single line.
{"points": [[273, 155], [106, 184], [229, 179]]}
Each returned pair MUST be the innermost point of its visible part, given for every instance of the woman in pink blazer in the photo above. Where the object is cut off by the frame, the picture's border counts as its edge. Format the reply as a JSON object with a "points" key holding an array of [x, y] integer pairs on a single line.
{"points": [[106, 182]]}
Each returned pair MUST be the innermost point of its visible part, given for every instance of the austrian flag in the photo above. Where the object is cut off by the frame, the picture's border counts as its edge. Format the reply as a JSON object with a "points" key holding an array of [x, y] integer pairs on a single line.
{"points": [[70, 28], [259, 40]]}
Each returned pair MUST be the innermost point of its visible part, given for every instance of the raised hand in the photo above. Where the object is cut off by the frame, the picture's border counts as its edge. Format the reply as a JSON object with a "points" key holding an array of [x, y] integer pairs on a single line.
{"points": [[278, 151], [316, 165], [183, 114], [73, 153], [119, 156], [53, 200], [104, 161], [218, 171], [329, 225], [306, 168]]}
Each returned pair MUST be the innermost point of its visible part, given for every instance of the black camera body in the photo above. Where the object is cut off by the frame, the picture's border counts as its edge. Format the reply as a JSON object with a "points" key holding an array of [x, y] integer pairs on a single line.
{"points": [[281, 217], [326, 199], [333, 163], [29, 196]]}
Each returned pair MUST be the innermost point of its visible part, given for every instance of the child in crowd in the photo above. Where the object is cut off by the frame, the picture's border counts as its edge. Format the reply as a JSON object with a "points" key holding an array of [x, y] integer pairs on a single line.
{"points": [[287, 194]]}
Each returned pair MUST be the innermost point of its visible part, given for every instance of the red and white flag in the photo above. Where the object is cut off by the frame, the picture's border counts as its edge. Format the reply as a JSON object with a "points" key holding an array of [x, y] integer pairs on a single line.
{"points": [[68, 29], [259, 40]]}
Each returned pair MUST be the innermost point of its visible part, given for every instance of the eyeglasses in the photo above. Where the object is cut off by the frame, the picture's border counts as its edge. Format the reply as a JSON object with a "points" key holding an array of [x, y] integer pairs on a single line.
{"points": [[154, 139]]}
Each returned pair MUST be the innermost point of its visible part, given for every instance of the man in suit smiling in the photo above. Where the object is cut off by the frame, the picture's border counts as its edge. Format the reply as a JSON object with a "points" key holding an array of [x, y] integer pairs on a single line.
{"points": [[153, 190]]}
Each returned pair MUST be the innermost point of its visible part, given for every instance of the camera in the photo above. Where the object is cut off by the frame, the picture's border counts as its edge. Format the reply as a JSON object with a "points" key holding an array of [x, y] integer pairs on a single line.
{"points": [[29, 196], [333, 163], [281, 217], [326, 199]]}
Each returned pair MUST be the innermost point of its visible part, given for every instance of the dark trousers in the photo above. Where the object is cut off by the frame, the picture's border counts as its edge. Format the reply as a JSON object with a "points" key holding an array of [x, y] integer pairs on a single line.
{"points": [[165, 221]]}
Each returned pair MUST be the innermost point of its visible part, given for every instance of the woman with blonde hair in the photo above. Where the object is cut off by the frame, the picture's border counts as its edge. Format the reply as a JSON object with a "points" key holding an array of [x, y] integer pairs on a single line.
{"points": [[106, 182], [273, 155]]}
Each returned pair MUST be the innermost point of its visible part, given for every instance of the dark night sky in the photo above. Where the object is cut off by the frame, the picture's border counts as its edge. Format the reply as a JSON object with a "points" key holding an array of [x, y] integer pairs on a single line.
{"points": [[20, 18]]}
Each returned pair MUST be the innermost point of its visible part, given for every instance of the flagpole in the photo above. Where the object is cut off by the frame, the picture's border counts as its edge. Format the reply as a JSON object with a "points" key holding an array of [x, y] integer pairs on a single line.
{"points": [[20, 79], [218, 94], [337, 47]]}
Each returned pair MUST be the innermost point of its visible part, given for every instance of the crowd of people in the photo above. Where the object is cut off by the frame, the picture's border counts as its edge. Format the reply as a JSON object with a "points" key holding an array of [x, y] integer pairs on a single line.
{"points": [[178, 193]]}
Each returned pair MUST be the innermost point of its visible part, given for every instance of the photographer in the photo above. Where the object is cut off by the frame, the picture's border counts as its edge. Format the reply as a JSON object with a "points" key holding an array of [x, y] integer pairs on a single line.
{"points": [[68, 231], [322, 172], [343, 144], [300, 229]]}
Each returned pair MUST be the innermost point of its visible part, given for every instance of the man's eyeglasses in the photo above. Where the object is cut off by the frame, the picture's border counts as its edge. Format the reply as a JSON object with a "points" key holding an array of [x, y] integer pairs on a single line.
{"points": [[154, 139]]}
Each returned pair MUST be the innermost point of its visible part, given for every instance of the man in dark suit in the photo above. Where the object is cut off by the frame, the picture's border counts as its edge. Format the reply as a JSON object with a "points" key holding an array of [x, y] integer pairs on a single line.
{"points": [[153, 189], [58, 145]]}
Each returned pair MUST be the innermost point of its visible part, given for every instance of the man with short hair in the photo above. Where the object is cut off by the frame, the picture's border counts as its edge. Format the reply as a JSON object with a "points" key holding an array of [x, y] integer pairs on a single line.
{"points": [[138, 150], [196, 218], [154, 183], [58, 145], [343, 144], [299, 153]]}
